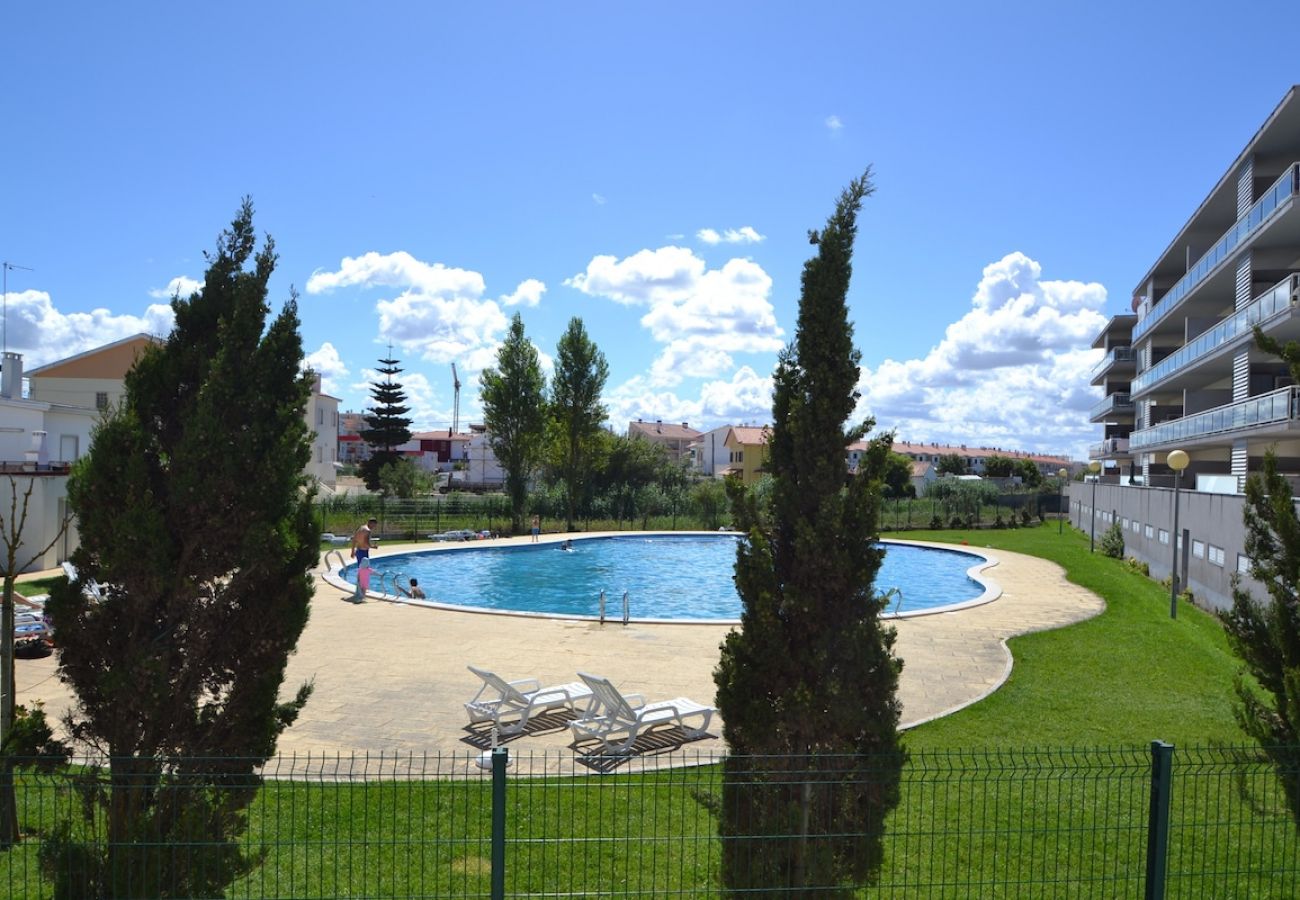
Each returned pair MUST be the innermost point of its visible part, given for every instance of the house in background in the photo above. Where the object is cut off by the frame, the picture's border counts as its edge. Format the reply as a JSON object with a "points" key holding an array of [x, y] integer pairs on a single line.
{"points": [[322, 416], [676, 439], [747, 452], [39, 441]]}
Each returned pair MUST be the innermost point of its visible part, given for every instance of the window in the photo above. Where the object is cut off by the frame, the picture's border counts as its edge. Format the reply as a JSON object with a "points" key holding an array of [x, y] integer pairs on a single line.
{"points": [[1164, 536], [1243, 564], [1124, 523], [320, 416], [1137, 526], [1198, 549], [101, 400], [320, 454], [1150, 532], [1216, 555]]}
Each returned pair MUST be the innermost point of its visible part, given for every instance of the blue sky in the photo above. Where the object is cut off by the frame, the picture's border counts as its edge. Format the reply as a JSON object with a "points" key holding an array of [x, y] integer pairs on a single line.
{"points": [[428, 170]]}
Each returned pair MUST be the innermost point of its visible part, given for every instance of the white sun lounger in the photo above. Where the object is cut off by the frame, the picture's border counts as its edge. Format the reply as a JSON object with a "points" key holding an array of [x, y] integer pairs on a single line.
{"points": [[613, 714], [523, 699]]}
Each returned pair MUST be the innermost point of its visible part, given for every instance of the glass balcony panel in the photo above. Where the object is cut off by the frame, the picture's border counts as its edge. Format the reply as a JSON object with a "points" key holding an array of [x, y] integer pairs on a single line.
{"points": [[1277, 193], [1279, 406]]}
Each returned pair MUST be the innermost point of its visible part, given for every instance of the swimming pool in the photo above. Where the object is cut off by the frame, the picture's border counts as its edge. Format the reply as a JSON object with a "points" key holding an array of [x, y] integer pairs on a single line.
{"points": [[667, 577]]}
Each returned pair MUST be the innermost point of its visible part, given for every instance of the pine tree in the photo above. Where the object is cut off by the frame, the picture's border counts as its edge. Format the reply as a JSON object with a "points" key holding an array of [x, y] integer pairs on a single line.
{"points": [[514, 412], [576, 411], [1266, 634], [807, 686], [389, 426], [195, 516]]}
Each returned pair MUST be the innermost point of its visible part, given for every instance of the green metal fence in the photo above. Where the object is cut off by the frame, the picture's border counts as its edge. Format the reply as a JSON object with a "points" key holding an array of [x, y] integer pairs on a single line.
{"points": [[1107, 823]]}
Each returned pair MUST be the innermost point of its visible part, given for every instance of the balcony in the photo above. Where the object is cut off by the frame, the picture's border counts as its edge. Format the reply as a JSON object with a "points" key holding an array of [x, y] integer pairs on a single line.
{"points": [[1113, 404], [1125, 357], [1109, 447], [1266, 409], [1262, 211], [1282, 296]]}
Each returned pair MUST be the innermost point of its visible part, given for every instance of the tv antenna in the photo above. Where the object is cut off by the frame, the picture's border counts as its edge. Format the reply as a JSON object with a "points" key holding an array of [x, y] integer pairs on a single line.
{"points": [[455, 412], [4, 327]]}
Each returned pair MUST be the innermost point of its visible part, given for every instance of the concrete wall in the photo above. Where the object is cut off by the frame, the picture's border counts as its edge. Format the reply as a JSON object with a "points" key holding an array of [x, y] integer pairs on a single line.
{"points": [[1212, 520]]}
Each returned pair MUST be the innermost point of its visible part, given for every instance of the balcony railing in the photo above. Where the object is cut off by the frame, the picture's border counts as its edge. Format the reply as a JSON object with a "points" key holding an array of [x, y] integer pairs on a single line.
{"points": [[1112, 403], [1281, 296], [1278, 406], [1108, 447], [1116, 355], [1263, 208]]}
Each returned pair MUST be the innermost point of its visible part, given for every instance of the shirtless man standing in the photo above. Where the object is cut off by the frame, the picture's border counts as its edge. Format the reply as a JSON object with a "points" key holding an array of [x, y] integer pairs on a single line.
{"points": [[361, 540]]}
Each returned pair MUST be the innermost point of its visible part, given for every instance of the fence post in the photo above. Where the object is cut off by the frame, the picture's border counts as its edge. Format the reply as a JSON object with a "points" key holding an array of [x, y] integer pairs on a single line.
{"points": [[1162, 764], [500, 759]]}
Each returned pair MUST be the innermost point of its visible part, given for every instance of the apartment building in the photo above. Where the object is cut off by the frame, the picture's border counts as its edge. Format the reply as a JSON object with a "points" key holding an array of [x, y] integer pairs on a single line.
{"points": [[1197, 382], [676, 439]]}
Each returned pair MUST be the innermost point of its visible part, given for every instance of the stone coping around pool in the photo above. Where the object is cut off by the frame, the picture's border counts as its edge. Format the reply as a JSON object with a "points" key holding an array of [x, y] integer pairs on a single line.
{"points": [[334, 575]]}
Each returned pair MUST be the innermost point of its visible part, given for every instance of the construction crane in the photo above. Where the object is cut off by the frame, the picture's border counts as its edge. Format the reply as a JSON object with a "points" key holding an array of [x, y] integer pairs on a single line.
{"points": [[455, 413]]}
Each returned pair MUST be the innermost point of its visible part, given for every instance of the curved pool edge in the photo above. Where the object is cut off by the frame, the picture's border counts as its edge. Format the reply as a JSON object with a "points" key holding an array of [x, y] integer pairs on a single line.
{"points": [[333, 577]]}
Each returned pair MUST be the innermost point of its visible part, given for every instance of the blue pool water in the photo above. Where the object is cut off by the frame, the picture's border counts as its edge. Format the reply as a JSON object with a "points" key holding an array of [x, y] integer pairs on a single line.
{"points": [[666, 576]]}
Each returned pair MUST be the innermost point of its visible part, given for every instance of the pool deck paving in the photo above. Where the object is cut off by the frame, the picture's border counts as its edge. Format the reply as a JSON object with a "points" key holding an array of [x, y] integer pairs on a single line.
{"points": [[391, 679]]}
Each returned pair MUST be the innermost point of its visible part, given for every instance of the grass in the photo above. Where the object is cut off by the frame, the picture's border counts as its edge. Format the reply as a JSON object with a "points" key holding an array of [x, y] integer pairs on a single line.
{"points": [[980, 816]]}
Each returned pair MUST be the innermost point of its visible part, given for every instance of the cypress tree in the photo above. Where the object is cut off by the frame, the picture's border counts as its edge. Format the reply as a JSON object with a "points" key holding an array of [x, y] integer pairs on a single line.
{"points": [[807, 686], [576, 411], [195, 516], [389, 425]]}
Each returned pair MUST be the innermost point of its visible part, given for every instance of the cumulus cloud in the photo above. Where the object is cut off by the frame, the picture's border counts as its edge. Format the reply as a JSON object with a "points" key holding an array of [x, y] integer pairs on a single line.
{"points": [[1012, 372], [43, 334], [743, 235], [745, 397], [181, 284], [833, 124], [529, 293], [701, 315], [329, 365], [439, 314]]}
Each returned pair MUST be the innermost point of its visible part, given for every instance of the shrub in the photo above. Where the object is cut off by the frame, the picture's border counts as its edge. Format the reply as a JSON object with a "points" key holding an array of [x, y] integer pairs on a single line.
{"points": [[936, 523], [1112, 542]]}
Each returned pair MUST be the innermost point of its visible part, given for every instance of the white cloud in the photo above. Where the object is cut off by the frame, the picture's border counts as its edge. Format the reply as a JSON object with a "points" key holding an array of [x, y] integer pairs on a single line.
{"points": [[745, 397], [440, 314], [834, 124], [598, 199], [43, 334], [327, 362], [744, 235], [529, 293], [701, 315], [1012, 372], [181, 284]]}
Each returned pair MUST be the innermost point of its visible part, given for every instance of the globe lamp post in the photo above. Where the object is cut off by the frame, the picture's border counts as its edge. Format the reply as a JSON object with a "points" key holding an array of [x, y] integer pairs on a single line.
{"points": [[1177, 461], [1060, 501], [1095, 468]]}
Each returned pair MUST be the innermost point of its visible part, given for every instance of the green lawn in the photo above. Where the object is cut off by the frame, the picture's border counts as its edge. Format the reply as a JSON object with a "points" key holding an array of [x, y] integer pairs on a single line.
{"points": [[1039, 790]]}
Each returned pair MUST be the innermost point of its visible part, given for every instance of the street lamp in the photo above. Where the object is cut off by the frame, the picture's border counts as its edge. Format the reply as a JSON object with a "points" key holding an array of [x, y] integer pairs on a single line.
{"points": [[1177, 461], [1060, 501], [1095, 468]]}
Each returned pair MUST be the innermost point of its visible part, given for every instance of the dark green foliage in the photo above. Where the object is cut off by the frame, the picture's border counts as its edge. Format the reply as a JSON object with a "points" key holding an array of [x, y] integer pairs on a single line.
{"points": [[514, 411], [389, 428], [709, 500], [576, 411], [1028, 472], [898, 476], [811, 670], [195, 516], [404, 479], [998, 466], [1266, 634], [1112, 542], [951, 464], [628, 467]]}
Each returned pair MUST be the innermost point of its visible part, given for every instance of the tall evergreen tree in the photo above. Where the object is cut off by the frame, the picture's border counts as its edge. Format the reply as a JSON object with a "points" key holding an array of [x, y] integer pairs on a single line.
{"points": [[514, 411], [1266, 634], [196, 518], [390, 427], [576, 411], [807, 686]]}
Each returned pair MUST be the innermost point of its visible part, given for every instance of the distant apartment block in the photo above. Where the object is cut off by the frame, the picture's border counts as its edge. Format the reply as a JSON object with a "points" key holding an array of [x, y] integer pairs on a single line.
{"points": [[1184, 372]]}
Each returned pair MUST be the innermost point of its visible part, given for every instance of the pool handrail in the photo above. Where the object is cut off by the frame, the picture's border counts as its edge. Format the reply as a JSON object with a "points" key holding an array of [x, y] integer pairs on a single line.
{"points": [[343, 563]]}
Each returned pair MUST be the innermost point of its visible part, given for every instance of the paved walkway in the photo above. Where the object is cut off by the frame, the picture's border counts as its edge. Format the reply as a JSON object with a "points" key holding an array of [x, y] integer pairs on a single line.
{"points": [[392, 677]]}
